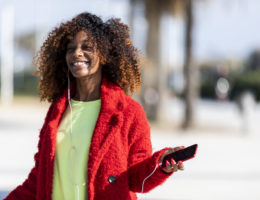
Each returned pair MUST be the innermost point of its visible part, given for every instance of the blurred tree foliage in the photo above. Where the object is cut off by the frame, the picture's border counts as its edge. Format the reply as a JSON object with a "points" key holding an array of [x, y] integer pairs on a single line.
{"points": [[25, 84], [248, 81], [26, 41], [241, 80], [207, 89], [154, 10]]}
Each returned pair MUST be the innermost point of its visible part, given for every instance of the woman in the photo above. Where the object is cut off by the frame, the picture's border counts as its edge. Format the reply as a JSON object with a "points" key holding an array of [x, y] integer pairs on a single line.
{"points": [[95, 142]]}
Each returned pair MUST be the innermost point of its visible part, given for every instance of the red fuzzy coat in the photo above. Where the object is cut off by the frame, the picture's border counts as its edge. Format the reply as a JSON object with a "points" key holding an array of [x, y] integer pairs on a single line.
{"points": [[120, 147]]}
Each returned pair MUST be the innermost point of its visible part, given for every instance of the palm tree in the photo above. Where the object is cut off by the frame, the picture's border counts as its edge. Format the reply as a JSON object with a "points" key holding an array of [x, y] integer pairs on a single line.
{"points": [[189, 70], [154, 10]]}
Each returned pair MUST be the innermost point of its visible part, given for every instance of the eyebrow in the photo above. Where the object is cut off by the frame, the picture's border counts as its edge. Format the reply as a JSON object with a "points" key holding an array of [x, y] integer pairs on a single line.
{"points": [[71, 43]]}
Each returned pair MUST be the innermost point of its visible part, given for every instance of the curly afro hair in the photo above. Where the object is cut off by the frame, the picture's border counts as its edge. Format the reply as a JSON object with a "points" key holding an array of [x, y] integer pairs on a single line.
{"points": [[119, 58]]}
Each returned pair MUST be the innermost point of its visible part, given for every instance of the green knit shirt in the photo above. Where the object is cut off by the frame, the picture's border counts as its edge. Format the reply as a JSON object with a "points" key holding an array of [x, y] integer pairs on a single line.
{"points": [[70, 164]]}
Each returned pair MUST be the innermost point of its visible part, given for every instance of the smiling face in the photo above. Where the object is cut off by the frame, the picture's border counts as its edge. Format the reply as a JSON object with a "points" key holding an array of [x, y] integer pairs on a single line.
{"points": [[82, 57]]}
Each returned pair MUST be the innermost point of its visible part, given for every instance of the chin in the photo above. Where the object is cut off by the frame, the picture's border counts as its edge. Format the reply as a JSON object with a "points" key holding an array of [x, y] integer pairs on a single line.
{"points": [[80, 73], [83, 72]]}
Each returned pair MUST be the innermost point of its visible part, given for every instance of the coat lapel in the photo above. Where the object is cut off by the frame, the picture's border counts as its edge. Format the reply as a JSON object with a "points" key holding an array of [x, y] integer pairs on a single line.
{"points": [[108, 125], [49, 146]]}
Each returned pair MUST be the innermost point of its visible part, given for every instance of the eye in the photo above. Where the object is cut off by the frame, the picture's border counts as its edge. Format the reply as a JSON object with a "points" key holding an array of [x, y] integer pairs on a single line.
{"points": [[87, 47], [70, 48]]}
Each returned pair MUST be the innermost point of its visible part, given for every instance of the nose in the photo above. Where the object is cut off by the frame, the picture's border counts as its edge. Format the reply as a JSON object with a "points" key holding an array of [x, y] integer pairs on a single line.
{"points": [[78, 52]]}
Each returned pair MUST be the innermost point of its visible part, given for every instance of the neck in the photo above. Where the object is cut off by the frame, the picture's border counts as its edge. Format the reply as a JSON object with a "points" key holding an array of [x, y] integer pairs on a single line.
{"points": [[88, 88]]}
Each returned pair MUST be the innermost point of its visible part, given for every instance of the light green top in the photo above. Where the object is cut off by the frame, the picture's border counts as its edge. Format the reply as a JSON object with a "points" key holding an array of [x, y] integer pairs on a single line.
{"points": [[70, 164]]}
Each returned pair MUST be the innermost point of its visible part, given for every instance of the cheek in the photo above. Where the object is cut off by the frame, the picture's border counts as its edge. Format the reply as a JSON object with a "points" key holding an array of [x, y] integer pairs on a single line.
{"points": [[96, 64], [67, 59], [96, 59]]}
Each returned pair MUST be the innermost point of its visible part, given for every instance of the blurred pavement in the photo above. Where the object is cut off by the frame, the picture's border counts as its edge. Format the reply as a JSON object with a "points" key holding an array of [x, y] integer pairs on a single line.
{"points": [[227, 165]]}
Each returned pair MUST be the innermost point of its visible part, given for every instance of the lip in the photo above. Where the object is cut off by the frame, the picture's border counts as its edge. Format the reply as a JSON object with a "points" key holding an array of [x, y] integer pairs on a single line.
{"points": [[84, 63], [74, 61], [80, 61]]}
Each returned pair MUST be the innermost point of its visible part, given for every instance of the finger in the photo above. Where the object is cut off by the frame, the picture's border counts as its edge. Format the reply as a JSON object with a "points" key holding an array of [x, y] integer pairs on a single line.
{"points": [[172, 164], [178, 148], [173, 161], [180, 165], [175, 167], [170, 151], [168, 164], [168, 167]]}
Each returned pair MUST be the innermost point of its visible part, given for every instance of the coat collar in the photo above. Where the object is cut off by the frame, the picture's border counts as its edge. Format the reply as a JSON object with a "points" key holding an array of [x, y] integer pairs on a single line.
{"points": [[113, 101], [108, 124]]}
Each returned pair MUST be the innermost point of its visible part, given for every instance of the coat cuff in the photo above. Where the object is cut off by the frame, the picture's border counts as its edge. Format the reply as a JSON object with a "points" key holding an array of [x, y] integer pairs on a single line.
{"points": [[159, 176]]}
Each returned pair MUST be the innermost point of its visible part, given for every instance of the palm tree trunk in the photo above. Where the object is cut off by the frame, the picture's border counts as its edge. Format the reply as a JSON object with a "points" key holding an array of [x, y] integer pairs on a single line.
{"points": [[190, 72], [151, 78]]}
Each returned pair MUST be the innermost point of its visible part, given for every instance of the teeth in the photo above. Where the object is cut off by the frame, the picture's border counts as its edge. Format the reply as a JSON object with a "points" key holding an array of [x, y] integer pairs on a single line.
{"points": [[79, 63]]}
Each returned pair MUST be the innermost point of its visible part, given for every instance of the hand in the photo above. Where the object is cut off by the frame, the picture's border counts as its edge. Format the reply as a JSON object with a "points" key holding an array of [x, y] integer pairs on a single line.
{"points": [[171, 165]]}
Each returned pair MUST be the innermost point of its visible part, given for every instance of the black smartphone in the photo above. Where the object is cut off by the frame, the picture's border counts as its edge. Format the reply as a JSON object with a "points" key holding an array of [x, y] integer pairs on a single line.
{"points": [[181, 155]]}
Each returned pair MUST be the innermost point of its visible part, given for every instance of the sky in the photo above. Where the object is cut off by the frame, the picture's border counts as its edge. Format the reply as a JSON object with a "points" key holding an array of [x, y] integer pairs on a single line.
{"points": [[223, 28], [227, 28]]}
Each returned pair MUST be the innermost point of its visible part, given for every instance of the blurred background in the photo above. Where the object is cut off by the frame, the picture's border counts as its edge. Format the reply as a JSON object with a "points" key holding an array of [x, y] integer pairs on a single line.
{"points": [[201, 84]]}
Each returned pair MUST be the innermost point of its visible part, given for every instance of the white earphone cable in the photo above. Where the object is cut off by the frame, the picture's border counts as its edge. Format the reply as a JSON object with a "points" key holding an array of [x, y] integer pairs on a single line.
{"points": [[157, 165], [72, 148]]}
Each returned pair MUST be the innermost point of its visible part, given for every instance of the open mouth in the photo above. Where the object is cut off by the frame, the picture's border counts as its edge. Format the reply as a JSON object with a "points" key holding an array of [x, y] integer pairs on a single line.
{"points": [[80, 63]]}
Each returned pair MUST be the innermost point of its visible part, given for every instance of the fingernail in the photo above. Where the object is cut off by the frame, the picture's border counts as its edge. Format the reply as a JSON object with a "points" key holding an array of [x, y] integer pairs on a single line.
{"points": [[179, 162], [173, 161], [182, 147], [167, 162]]}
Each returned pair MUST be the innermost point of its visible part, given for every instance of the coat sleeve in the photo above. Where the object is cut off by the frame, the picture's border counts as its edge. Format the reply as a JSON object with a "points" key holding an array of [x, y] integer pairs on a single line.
{"points": [[27, 190], [141, 161]]}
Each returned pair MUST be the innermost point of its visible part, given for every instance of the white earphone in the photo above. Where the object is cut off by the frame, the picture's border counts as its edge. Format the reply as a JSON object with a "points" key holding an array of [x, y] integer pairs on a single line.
{"points": [[72, 147]]}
